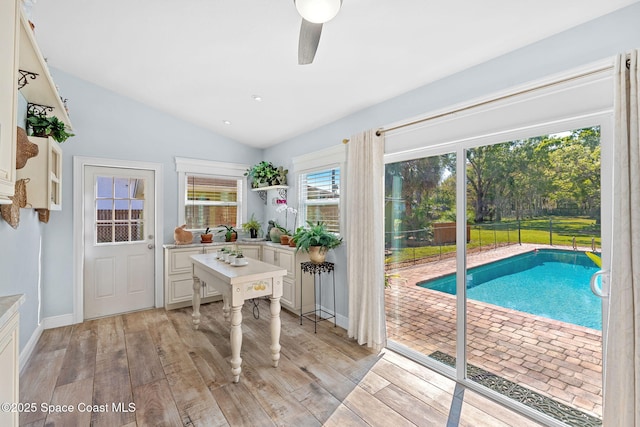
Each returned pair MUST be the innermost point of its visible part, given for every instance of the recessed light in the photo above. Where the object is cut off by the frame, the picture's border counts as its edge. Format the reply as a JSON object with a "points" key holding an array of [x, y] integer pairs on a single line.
{"points": [[257, 98], [226, 122]]}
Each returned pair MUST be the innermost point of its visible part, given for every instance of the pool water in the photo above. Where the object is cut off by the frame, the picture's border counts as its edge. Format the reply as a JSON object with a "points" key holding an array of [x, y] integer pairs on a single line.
{"points": [[548, 283]]}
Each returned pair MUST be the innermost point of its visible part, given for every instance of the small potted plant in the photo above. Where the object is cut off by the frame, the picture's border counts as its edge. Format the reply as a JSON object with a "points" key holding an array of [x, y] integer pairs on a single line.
{"points": [[252, 227], [285, 237], [43, 126], [206, 237], [240, 259], [316, 240], [230, 234]]}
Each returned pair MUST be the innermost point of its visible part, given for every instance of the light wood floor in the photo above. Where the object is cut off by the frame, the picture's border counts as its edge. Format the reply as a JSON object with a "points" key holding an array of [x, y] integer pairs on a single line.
{"points": [[176, 376]]}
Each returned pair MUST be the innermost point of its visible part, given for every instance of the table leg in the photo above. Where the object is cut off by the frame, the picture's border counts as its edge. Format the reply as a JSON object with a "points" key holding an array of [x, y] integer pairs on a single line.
{"points": [[196, 302], [275, 330], [236, 342], [225, 306]]}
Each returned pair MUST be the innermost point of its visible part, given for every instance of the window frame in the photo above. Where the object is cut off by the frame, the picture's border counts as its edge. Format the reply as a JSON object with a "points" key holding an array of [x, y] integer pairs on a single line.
{"points": [[211, 169], [318, 161]]}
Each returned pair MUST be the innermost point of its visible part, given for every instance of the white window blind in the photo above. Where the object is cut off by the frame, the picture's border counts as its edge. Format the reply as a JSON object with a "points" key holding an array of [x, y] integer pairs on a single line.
{"points": [[211, 201], [320, 197]]}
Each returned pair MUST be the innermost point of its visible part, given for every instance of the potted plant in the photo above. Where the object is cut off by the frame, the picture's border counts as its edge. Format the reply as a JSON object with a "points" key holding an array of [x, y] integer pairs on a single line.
{"points": [[206, 237], [316, 240], [265, 174], [44, 126], [252, 227], [230, 234], [285, 237]]}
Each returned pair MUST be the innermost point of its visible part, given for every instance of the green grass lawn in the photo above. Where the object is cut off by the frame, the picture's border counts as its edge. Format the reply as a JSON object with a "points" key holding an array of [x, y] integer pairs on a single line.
{"points": [[535, 231]]}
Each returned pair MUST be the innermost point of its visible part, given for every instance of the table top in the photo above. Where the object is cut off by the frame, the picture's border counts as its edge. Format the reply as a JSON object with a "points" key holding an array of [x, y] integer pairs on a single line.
{"points": [[254, 270]]}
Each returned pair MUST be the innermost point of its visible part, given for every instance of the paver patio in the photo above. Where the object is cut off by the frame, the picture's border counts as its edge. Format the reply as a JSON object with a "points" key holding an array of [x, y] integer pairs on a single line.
{"points": [[555, 359]]}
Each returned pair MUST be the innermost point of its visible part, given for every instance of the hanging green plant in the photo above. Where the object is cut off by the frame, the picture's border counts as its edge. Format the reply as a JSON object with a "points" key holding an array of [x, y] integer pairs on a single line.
{"points": [[43, 126], [265, 174]]}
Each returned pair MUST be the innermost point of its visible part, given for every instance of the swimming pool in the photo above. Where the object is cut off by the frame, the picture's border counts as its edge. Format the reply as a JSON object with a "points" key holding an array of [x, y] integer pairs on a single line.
{"points": [[549, 283]]}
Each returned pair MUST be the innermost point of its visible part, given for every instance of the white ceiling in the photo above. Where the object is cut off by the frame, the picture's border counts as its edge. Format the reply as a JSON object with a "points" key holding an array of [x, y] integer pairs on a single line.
{"points": [[203, 60]]}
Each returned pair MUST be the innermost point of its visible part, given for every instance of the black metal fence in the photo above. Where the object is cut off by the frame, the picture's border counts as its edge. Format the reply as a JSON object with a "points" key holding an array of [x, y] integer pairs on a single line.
{"points": [[438, 241]]}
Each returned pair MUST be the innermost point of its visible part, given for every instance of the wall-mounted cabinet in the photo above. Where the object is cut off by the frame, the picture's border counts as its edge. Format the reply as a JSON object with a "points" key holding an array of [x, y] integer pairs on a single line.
{"points": [[34, 80], [21, 57], [44, 174], [9, 39]]}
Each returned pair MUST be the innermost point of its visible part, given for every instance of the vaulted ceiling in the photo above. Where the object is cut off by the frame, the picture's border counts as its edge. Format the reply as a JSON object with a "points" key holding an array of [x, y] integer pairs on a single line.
{"points": [[205, 61]]}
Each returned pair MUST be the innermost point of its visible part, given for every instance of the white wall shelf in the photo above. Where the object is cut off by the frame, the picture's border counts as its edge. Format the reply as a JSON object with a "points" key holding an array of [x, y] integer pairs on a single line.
{"points": [[262, 191]]}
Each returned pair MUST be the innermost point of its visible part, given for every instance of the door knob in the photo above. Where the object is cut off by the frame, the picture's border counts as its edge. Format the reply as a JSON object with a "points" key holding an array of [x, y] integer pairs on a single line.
{"points": [[150, 245]]}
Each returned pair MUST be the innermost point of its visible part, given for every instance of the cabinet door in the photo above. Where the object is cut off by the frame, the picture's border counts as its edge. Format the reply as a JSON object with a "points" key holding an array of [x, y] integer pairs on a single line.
{"points": [[288, 298], [179, 289], [286, 259], [250, 251], [9, 13], [269, 255], [9, 392], [179, 261]]}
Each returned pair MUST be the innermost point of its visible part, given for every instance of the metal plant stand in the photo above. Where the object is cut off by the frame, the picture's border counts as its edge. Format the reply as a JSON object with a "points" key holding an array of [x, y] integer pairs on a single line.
{"points": [[319, 313]]}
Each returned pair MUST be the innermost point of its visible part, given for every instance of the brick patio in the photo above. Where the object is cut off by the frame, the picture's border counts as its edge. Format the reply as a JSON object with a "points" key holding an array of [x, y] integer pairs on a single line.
{"points": [[556, 359]]}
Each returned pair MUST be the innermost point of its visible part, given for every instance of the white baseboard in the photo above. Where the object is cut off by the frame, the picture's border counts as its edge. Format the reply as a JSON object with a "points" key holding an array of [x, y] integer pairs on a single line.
{"points": [[58, 321], [47, 323]]}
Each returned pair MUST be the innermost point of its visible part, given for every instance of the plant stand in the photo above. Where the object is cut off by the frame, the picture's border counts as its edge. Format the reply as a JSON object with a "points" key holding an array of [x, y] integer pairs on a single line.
{"points": [[319, 313]]}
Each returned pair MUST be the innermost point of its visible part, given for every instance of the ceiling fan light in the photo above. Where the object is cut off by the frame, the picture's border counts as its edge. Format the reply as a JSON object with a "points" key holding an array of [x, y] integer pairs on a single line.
{"points": [[318, 11]]}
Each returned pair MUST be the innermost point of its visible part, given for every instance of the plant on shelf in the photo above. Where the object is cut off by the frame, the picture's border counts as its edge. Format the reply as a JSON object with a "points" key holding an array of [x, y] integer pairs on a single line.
{"points": [[42, 125], [230, 234], [316, 240], [252, 227], [265, 174], [206, 237]]}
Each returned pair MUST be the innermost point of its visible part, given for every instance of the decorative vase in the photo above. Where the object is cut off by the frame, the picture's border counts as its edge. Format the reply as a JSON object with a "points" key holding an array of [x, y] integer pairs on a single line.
{"points": [[317, 254], [284, 239], [275, 234]]}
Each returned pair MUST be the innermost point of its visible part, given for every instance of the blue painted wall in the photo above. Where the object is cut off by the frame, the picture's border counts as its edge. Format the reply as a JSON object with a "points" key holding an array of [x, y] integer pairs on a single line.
{"points": [[113, 126]]}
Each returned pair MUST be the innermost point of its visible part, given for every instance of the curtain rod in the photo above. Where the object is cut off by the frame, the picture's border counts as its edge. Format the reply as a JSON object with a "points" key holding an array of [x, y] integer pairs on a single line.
{"points": [[381, 131]]}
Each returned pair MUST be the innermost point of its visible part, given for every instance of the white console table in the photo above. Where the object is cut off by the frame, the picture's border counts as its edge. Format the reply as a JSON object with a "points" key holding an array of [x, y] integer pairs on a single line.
{"points": [[237, 284]]}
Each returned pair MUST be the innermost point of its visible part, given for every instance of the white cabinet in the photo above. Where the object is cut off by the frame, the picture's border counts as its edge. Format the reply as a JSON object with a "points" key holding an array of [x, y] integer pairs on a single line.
{"points": [[22, 68], [44, 172], [293, 282], [36, 83], [9, 357], [9, 36], [178, 278]]}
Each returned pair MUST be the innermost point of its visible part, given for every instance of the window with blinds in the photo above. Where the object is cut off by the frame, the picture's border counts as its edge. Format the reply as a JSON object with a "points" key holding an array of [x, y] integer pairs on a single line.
{"points": [[320, 197], [212, 201]]}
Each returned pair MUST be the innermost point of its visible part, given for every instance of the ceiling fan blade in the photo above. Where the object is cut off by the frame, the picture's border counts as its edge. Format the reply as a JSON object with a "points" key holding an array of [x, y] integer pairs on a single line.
{"points": [[309, 39]]}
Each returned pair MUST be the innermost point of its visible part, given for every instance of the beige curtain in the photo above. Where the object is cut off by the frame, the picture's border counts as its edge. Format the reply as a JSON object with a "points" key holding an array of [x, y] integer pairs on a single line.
{"points": [[365, 239], [622, 370]]}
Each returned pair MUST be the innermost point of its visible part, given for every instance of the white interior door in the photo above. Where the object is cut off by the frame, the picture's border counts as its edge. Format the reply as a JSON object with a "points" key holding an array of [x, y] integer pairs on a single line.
{"points": [[118, 240]]}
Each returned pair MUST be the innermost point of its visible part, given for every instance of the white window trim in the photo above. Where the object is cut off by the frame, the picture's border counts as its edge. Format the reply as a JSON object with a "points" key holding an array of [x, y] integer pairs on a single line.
{"points": [[328, 158], [187, 166]]}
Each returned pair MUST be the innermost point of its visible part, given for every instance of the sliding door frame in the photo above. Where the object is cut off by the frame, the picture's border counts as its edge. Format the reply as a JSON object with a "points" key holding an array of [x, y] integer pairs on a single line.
{"points": [[602, 116]]}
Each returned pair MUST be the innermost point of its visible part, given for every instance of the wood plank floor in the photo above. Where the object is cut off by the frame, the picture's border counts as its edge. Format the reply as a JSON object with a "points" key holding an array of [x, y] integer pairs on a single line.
{"points": [[151, 368]]}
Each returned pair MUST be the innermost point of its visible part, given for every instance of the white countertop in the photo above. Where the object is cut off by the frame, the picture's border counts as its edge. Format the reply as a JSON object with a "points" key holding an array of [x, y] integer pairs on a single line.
{"points": [[238, 242], [8, 306]]}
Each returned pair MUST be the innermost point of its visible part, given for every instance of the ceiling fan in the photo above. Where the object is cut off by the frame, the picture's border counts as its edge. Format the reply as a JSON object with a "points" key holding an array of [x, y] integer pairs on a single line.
{"points": [[314, 13]]}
